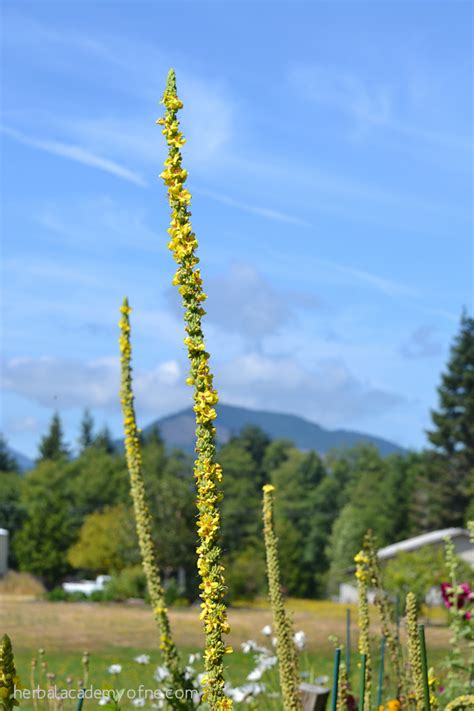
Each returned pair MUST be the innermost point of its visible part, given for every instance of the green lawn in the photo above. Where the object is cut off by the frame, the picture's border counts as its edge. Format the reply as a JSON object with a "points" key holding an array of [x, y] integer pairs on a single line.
{"points": [[115, 634]]}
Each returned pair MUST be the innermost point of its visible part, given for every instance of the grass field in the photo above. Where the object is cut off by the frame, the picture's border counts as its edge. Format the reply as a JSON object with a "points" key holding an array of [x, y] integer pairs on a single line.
{"points": [[116, 633]]}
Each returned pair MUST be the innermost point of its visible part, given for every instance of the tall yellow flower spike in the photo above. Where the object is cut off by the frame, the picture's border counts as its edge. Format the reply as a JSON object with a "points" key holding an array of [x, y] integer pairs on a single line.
{"points": [[207, 472], [286, 651], [143, 519], [362, 576], [386, 614], [8, 676], [414, 651]]}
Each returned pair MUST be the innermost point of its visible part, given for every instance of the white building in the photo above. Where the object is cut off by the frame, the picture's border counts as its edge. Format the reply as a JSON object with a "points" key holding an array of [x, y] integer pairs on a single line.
{"points": [[3, 551], [435, 539]]}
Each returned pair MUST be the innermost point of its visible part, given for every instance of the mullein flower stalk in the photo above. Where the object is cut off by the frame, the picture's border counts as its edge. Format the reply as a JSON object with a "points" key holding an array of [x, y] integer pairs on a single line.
{"points": [[8, 676], [286, 650], [385, 611], [362, 574], [143, 518], [414, 651], [462, 703], [343, 689], [207, 471]]}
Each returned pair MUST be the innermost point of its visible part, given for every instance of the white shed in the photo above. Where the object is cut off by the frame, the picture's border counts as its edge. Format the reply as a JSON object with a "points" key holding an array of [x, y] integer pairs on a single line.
{"points": [[435, 539], [3, 551]]}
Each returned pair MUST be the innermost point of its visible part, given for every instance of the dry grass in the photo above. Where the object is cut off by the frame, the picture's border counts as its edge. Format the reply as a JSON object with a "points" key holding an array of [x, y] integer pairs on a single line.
{"points": [[97, 626], [14, 583]]}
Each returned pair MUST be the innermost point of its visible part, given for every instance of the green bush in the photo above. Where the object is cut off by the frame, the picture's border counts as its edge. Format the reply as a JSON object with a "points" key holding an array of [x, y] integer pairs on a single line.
{"points": [[130, 582], [59, 595]]}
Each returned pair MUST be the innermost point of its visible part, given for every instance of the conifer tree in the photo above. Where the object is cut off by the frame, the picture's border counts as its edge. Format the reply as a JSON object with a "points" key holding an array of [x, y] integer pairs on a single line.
{"points": [[8, 462], [104, 441], [86, 436], [453, 433], [52, 446]]}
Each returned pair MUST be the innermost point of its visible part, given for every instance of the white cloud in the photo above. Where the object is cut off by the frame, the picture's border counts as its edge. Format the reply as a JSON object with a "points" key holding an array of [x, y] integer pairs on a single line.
{"points": [[328, 393], [67, 383], [75, 153], [242, 302]]}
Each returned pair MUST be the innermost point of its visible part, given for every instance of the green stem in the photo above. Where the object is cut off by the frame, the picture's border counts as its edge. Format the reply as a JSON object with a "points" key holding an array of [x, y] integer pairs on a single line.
{"points": [[348, 642], [424, 667], [381, 672], [363, 663]]}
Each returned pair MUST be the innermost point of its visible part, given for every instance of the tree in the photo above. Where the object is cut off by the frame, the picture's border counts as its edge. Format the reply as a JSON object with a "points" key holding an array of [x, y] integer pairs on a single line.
{"points": [[297, 479], [86, 436], [52, 446], [104, 441], [12, 512], [8, 462], [372, 496], [107, 541], [95, 480], [50, 526], [453, 433]]}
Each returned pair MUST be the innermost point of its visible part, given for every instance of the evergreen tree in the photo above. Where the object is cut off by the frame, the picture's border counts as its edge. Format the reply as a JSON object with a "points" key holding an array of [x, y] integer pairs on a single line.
{"points": [[8, 462], [86, 437], [52, 446], [104, 441], [453, 434]]}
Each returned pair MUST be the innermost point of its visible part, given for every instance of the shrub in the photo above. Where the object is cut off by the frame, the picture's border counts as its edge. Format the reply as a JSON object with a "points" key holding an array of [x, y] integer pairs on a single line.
{"points": [[130, 582]]}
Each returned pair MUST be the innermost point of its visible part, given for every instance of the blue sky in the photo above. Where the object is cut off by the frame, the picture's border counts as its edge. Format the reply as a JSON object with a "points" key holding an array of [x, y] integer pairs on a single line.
{"points": [[329, 150]]}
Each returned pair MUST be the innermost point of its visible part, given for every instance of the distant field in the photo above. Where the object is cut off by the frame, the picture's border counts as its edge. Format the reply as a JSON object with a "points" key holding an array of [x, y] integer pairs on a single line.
{"points": [[116, 633]]}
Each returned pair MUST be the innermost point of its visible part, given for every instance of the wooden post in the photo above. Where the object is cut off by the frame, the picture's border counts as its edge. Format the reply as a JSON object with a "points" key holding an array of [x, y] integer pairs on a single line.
{"points": [[313, 698]]}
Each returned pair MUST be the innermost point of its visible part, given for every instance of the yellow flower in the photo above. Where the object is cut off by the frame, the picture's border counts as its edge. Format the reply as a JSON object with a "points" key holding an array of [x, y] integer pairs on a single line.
{"points": [[207, 472]]}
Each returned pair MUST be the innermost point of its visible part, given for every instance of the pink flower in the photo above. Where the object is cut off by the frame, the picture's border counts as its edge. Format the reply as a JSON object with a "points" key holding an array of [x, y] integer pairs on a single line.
{"points": [[462, 596]]}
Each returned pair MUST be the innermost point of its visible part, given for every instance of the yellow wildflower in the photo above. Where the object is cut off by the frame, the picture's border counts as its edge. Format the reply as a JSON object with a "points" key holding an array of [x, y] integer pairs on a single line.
{"points": [[207, 472]]}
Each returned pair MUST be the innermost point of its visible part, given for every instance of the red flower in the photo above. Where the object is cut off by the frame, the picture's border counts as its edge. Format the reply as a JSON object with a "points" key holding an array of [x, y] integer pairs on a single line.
{"points": [[462, 596]]}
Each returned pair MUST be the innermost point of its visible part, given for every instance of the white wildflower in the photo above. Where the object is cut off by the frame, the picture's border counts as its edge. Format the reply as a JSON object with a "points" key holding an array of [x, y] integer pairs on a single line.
{"points": [[267, 631], [300, 640], [143, 659], [139, 702], [115, 669], [255, 675], [161, 673]]}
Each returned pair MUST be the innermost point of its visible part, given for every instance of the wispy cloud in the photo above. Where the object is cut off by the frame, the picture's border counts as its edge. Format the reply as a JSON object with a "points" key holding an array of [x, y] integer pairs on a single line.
{"points": [[266, 212], [75, 153], [377, 282], [369, 104], [422, 344]]}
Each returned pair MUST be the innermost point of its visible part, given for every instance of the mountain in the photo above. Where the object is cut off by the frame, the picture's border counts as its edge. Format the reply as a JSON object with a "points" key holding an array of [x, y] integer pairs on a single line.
{"points": [[178, 430], [24, 463]]}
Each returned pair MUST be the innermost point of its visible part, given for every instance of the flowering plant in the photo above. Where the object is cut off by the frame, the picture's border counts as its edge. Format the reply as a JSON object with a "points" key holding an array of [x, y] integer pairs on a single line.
{"points": [[460, 597]]}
